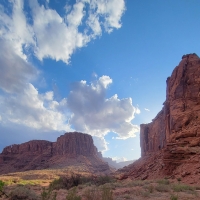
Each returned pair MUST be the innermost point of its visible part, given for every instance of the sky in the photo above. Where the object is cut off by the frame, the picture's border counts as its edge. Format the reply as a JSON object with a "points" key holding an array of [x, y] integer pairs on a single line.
{"points": [[93, 66]]}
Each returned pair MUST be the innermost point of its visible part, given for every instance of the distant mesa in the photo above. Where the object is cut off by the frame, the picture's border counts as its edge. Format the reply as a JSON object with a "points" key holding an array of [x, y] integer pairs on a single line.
{"points": [[170, 144], [113, 163], [72, 149]]}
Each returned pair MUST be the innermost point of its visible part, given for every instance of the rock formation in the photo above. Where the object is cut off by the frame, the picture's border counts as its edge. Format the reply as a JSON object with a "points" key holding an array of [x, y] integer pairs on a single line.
{"points": [[170, 144], [71, 149], [113, 163]]}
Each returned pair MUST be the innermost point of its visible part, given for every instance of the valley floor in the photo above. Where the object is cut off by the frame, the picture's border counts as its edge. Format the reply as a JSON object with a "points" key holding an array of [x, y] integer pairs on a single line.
{"points": [[46, 185]]}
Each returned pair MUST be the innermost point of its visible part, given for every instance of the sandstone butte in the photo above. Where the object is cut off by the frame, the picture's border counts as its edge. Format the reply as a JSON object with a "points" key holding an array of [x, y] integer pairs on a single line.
{"points": [[170, 144], [71, 149]]}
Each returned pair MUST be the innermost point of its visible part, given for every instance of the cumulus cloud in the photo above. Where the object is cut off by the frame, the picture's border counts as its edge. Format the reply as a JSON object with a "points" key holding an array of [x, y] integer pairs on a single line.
{"points": [[15, 72], [95, 114], [33, 110], [20, 102], [50, 35], [101, 143], [146, 109], [47, 34]]}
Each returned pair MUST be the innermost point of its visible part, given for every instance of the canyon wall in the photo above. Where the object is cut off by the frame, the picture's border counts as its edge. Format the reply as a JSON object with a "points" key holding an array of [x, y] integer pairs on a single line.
{"points": [[179, 117], [170, 144]]}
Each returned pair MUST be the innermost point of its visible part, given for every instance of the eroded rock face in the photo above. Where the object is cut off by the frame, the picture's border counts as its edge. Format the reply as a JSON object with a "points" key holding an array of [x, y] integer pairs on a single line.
{"points": [[73, 144], [173, 137], [70, 149], [180, 115]]}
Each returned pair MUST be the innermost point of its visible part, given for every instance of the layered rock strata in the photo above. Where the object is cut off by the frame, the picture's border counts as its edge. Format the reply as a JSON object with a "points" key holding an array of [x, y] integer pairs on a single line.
{"points": [[172, 140], [71, 149]]}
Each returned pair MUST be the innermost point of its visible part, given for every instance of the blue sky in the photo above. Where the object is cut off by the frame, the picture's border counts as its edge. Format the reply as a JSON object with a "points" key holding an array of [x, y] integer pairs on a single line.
{"points": [[94, 66]]}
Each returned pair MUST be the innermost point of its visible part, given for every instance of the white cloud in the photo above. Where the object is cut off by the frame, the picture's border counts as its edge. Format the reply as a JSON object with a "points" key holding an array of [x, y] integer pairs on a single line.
{"points": [[15, 29], [15, 72], [120, 159], [47, 34], [21, 103], [147, 109], [112, 10], [50, 35], [101, 143], [95, 114], [34, 110], [105, 81]]}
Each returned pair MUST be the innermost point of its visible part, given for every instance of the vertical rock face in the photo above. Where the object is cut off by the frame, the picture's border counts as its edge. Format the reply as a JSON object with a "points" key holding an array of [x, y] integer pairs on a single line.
{"points": [[180, 116], [74, 144], [170, 144], [152, 136], [70, 149]]}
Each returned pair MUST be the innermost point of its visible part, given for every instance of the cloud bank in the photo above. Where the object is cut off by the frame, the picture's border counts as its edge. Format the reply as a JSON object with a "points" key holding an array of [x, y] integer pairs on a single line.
{"points": [[98, 115], [45, 33]]}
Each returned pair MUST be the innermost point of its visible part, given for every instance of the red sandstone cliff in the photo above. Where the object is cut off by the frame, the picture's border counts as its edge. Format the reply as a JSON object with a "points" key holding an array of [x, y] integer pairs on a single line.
{"points": [[71, 149], [170, 144]]}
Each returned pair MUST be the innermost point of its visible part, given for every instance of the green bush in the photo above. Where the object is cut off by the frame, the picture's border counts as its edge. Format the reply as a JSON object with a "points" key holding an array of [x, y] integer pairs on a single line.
{"points": [[75, 180], [163, 181], [48, 194], [92, 194], [174, 197], [101, 180], [2, 184], [22, 193], [65, 182], [182, 188], [150, 188], [106, 194], [162, 188], [72, 195]]}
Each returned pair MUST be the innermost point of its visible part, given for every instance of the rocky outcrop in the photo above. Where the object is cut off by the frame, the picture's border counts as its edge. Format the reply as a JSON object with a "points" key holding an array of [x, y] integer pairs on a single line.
{"points": [[172, 140], [71, 149], [73, 144]]}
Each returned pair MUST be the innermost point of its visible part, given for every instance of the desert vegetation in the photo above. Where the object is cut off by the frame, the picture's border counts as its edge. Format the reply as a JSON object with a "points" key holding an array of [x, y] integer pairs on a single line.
{"points": [[71, 186]]}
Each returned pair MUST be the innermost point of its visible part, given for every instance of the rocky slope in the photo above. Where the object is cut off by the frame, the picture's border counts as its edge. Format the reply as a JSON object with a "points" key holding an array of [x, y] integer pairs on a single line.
{"points": [[71, 149], [170, 144]]}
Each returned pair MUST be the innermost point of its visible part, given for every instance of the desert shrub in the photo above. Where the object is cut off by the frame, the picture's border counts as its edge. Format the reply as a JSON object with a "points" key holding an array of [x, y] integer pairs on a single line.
{"points": [[145, 194], [162, 188], [56, 184], [179, 180], [163, 181], [174, 197], [48, 194], [65, 182], [92, 194], [182, 188], [127, 196], [22, 193], [106, 194], [2, 184], [101, 180], [72, 195], [150, 188], [137, 183], [75, 180]]}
